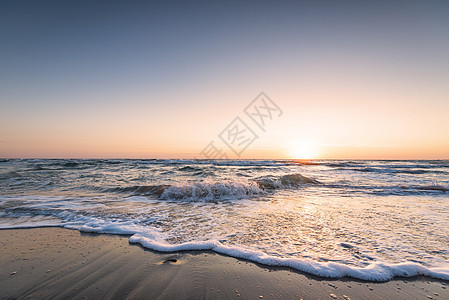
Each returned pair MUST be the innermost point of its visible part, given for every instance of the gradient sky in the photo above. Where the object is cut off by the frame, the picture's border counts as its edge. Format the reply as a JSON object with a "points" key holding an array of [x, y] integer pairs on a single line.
{"points": [[131, 79]]}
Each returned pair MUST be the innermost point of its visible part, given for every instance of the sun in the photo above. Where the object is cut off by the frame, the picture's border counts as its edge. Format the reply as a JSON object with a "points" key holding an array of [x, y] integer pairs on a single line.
{"points": [[302, 149]]}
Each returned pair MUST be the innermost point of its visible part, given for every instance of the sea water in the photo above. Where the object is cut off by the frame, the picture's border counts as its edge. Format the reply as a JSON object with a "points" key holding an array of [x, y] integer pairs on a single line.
{"points": [[370, 220]]}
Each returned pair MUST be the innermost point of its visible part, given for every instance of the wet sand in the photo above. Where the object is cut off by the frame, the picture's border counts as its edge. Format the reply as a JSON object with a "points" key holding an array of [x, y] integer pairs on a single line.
{"points": [[59, 263]]}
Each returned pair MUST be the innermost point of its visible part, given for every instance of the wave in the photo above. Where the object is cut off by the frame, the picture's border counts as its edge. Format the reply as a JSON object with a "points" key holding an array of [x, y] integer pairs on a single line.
{"points": [[10, 175], [169, 161], [284, 181], [205, 190], [217, 162], [386, 170], [301, 162], [190, 169], [433, 187], [223, 190], [217, 190], [339, 164], [374, 272], [152, 238], [141, 190], [249, 163], [388, 190]]}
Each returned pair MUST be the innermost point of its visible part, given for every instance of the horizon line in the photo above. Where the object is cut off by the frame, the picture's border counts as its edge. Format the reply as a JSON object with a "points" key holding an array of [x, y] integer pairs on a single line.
{"points": [[224, 159]]}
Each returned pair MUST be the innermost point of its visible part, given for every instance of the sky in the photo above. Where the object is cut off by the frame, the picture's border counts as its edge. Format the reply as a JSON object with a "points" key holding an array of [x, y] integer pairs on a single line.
{"points": [[140, 79]]}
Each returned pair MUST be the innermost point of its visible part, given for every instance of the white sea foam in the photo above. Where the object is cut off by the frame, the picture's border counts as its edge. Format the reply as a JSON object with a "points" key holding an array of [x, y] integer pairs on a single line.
{"points": [[210, 190], [374, 272], [229, 189], [154, 239]]}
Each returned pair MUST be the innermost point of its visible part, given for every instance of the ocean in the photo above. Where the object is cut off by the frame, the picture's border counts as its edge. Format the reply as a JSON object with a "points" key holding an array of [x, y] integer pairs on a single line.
{"points": [[369, 220]]}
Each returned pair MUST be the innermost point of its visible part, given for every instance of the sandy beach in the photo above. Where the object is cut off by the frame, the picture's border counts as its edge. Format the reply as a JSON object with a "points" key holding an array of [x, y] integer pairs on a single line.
{"points": [[59, 263]]}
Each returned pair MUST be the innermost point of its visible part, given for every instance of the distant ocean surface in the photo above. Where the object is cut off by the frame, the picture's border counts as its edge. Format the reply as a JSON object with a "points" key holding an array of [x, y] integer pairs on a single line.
{"points": [[371, 220]]}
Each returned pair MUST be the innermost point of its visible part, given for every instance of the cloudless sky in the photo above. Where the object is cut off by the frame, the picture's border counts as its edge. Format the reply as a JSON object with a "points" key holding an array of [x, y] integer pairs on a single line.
{"points": [[136, 79]]}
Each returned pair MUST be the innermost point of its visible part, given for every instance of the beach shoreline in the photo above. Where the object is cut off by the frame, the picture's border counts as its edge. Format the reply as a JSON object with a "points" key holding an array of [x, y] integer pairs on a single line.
{"points": [[58, 263]]}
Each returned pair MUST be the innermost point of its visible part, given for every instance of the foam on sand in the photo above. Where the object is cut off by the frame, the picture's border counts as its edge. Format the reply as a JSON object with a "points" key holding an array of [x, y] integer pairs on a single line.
{"points": [[153, 239], [374, 272]]}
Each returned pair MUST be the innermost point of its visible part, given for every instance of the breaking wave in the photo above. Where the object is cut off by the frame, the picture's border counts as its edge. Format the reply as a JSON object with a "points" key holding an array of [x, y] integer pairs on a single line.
{"points": [[218, 190]]}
